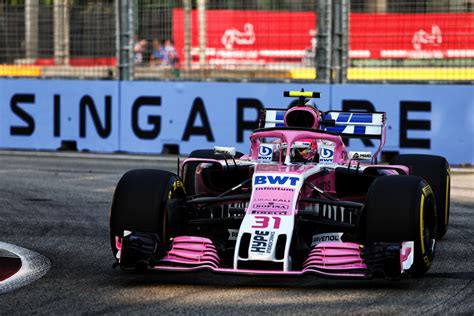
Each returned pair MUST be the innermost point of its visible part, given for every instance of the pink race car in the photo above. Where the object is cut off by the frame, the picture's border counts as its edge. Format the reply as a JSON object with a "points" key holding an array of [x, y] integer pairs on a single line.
{"points": [[298, 203]]}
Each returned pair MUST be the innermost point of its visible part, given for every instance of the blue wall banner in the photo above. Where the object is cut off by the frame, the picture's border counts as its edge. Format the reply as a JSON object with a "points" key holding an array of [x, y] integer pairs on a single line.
{"points": [[197, 115], [142, 117], [39, 114], [421, 119]]}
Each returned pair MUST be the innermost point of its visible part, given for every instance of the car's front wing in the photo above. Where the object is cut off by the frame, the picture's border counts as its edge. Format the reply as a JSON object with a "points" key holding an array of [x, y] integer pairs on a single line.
{"points": [[326, 259]]}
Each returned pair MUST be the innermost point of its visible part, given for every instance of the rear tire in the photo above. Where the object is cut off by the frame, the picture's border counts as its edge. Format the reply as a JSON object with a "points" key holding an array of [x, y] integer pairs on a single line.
{"points": [[190, 170], [140, 203], [402, 208], [435, 170]]}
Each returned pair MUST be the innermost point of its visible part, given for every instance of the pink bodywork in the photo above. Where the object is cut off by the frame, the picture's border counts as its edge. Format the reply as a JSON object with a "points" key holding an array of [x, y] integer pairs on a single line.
{"points": [[290, 136], [335, 256], [192, 251], [189, 253], [118, 243], [337, 259]]}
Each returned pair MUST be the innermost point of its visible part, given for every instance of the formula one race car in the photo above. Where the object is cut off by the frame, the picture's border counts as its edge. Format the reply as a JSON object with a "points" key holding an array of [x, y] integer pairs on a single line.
{"points": [[298, 203]]}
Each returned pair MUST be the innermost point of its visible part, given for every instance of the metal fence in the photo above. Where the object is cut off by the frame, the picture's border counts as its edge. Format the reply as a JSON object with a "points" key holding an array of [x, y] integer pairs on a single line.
{"points": [[411, 40], [320, 40], [73, 39]]}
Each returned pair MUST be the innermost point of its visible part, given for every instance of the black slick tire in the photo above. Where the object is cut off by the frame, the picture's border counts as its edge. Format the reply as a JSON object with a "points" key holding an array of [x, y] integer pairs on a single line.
{"points": [[140, 203], [435, 170], [402, 208]]}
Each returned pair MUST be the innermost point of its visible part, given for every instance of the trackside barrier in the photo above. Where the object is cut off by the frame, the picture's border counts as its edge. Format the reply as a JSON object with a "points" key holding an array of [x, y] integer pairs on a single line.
{"points": [[142, 117]]}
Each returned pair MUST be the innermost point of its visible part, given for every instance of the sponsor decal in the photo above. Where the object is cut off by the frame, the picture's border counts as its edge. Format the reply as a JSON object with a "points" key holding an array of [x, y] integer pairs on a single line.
{"points": [[272, 200], [262, 242], [278, 180], [271, 205], [233, 36], [273, 189], [265, 153], [327, 155], [319, 238], [426, 190], [301, 145], [407, 255], [245, 37], [269, 212], [360, 155], [233, 233], [270, 242], [422, 37]]}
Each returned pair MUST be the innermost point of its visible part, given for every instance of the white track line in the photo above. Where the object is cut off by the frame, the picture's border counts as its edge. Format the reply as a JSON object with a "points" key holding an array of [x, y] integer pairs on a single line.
{"points": [[33, 267], [462, 170], [60, 154]]}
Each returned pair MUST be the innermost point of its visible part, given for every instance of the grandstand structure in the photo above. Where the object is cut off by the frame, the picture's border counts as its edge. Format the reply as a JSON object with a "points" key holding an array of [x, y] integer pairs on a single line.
{"points": [[333, 41]]}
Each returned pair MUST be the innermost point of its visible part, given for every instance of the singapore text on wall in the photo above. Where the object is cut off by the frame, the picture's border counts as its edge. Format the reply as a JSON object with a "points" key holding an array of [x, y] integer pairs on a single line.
{"points": [[142, 117]]}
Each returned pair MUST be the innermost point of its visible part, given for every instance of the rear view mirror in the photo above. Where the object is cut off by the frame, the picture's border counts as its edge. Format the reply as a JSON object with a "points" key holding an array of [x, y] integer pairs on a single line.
{"points": [[225, 150]]}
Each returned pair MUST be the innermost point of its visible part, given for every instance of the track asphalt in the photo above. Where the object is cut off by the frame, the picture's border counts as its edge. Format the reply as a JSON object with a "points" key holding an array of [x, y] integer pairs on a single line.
{"points": [[58, 206]]}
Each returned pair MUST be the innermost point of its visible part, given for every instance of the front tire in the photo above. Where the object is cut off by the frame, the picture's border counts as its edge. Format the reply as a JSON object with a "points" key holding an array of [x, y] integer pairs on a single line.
{"points": [[140, 204], [435, 170], [402, 208]]}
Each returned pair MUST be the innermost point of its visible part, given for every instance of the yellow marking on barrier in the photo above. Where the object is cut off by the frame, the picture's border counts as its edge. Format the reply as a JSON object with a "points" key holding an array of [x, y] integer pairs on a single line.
{"points": [[20, 71], [303, 73], [394, 73], [410, 73]]}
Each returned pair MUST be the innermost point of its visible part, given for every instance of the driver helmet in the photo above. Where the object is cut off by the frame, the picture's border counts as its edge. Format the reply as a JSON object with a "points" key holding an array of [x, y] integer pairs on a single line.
{"points": [[304, 151]]}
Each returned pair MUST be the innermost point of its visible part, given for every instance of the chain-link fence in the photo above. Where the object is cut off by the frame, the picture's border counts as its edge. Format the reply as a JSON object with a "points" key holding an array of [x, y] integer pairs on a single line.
{"points": [[234, 40], [323, 40], [411, 40], [60, 38]]}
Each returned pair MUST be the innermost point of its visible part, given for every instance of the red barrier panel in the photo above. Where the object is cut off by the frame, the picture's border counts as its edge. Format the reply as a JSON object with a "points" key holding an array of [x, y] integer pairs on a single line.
{"points": [[262, 37], [248, 37], [440, 35]]}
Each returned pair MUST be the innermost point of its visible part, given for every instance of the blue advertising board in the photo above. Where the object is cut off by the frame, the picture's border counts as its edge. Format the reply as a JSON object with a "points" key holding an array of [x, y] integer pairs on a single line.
{"points": [[421, 119], [197, 115], [142, 117], [39, 114]]}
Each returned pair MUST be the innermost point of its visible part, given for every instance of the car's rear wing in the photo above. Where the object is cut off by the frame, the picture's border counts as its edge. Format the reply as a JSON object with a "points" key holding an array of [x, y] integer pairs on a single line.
{"points": [[346, 124], [354, 124], [271, 118]]}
